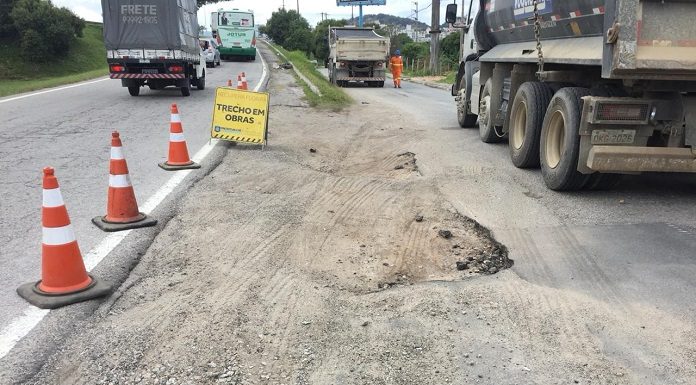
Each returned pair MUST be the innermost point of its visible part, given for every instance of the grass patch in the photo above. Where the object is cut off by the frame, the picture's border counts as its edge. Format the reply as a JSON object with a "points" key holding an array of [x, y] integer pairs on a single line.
{"points": [[86, 60], [449, 78], [331, 97]]}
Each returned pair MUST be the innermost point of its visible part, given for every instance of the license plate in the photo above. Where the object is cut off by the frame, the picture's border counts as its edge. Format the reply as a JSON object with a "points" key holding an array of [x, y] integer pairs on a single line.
{"points": [[150, 70], [613, 136], [144, 61]]}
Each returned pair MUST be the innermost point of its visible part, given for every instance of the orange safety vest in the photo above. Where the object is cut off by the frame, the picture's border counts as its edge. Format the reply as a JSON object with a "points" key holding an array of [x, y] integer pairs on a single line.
{"points": [[397, 65]]}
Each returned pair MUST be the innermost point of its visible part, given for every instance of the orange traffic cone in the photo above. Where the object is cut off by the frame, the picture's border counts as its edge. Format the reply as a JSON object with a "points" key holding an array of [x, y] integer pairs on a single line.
{"points": [[64, 279], [229, 83], [121, 207], [245, 85], [239, 82], [178, 152]]}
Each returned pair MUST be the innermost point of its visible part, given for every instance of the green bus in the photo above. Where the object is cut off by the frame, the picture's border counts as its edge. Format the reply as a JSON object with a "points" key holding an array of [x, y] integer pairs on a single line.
{"points": [[235, 31]]}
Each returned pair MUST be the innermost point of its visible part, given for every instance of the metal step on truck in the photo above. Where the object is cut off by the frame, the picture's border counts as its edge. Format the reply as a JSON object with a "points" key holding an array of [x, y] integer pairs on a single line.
{"points": [[585, 89], [153, 43]]}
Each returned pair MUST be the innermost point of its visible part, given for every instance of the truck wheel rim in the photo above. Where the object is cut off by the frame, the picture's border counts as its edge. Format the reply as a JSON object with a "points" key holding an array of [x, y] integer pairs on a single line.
{"points": [[519, 124], [484, 109], [555, 138]]}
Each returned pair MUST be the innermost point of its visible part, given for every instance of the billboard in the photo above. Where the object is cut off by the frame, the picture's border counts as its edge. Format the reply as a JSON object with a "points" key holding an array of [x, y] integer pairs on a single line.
{"points": [[348, 3]]}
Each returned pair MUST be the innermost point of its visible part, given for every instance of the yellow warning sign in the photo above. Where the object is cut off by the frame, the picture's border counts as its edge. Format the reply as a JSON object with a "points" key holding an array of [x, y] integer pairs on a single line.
{"points": [[240, 116]]}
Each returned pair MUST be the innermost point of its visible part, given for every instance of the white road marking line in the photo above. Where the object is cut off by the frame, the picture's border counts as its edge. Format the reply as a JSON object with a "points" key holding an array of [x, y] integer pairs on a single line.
{"points": [[263, 74], [19, 327], [23, 324], [53, 90]]}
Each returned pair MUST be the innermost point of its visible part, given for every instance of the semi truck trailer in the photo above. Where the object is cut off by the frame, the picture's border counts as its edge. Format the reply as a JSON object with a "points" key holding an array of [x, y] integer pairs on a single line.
{"points": [[357, 55], [587, 90], [153, 43]]}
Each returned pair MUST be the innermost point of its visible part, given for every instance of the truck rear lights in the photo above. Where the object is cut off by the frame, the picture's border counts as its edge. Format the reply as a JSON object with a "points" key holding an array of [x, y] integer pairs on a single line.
{"points": [[176, 69], [619, 111], [623, 112], [117, 68]]}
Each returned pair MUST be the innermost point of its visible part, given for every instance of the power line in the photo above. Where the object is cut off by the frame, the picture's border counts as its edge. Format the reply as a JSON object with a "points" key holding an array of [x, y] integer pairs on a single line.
{"points": [[417, 11]]}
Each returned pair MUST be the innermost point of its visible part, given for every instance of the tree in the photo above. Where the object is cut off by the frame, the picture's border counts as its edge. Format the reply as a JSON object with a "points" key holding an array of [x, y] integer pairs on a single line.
{"points": [[399, 41], [449, 47], [45, 31], [415, 50], [290, 30], [201, 3], [321, 38], [7, 28]]}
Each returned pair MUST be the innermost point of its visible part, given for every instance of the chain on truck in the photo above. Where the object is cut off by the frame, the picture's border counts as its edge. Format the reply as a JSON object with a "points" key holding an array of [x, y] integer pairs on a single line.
{"points": [[153, 43], [587, 90]]}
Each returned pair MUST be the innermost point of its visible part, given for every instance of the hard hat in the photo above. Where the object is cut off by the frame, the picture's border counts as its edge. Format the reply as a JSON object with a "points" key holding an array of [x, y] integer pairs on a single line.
{"points": [[397, 52]]}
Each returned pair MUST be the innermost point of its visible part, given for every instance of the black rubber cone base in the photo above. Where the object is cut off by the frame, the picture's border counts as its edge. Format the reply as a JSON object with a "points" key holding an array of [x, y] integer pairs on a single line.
{"points": [[171, 167], [31, 292], [104, 225]]}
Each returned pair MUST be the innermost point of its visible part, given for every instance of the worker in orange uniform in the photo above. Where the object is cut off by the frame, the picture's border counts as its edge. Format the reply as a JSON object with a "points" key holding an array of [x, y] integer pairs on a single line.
{"points": [[397, 65]]}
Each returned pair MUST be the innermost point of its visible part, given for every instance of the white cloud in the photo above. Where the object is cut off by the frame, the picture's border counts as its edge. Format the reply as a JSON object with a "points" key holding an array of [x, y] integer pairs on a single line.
{"points": [[310, 9]]}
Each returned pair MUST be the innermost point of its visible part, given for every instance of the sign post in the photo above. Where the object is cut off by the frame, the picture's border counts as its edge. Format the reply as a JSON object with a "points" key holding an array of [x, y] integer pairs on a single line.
{"points": [[359, 3], [240, 116]]}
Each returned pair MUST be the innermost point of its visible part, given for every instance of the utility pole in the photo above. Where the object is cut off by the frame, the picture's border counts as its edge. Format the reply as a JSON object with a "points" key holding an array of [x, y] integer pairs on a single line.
{"points": [[435, 38], [298, 7], [415, 3], [283, 4]]}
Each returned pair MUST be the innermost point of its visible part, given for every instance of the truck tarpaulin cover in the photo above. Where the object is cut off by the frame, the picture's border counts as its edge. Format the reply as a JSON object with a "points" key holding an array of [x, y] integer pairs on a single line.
{"points": [[151, 24]]}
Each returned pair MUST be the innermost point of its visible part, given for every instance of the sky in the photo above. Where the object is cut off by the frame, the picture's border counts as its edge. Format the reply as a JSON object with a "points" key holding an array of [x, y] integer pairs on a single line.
{"points": [[310, 9]]}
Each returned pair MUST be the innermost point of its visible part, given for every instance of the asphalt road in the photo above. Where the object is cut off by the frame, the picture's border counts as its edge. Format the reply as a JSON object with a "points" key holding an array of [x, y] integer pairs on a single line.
{"points": [[69, 128], [631, 249]]}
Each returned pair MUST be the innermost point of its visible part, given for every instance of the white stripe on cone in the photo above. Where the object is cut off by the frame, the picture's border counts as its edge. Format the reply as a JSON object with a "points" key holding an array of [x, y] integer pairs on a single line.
{"points": [[176, 137], [119, 181], [55, 236], [52, 198], [117, 153], [176, 118]]}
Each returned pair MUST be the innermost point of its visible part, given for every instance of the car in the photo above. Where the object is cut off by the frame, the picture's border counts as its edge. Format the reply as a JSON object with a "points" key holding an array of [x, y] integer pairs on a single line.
{"points": [[211, 52]]}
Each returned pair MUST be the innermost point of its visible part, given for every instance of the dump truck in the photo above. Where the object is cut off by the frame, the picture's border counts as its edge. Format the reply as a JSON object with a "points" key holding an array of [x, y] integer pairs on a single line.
{"points": [[357, 55], [153, 43], [587, 90]]}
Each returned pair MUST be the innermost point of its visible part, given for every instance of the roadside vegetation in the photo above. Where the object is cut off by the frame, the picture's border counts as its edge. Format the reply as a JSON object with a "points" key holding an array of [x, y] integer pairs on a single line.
{"points": [[288, 29], [86, 59], [330, 97], [42, 45]]}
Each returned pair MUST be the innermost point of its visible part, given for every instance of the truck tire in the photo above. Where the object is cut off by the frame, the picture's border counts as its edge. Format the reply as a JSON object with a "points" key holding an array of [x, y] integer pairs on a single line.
{"points": [[487, 131], [465, 119], [526, 116], [200, 82], [560, 141], [134, 90], [380, 84], [186, 91]]}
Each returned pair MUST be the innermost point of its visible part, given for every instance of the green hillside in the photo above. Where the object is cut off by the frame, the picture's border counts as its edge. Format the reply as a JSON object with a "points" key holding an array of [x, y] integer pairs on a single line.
{"points": [[391, 20], [86, 60]]}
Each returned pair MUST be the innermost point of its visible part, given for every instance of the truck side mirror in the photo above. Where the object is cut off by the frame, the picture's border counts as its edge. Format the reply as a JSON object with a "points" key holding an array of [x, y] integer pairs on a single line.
{"points": [[451, 13]]}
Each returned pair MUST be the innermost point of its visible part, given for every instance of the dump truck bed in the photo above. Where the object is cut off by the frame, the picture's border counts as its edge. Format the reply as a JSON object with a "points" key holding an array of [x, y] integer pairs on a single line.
{"points": [[363, 44]]}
